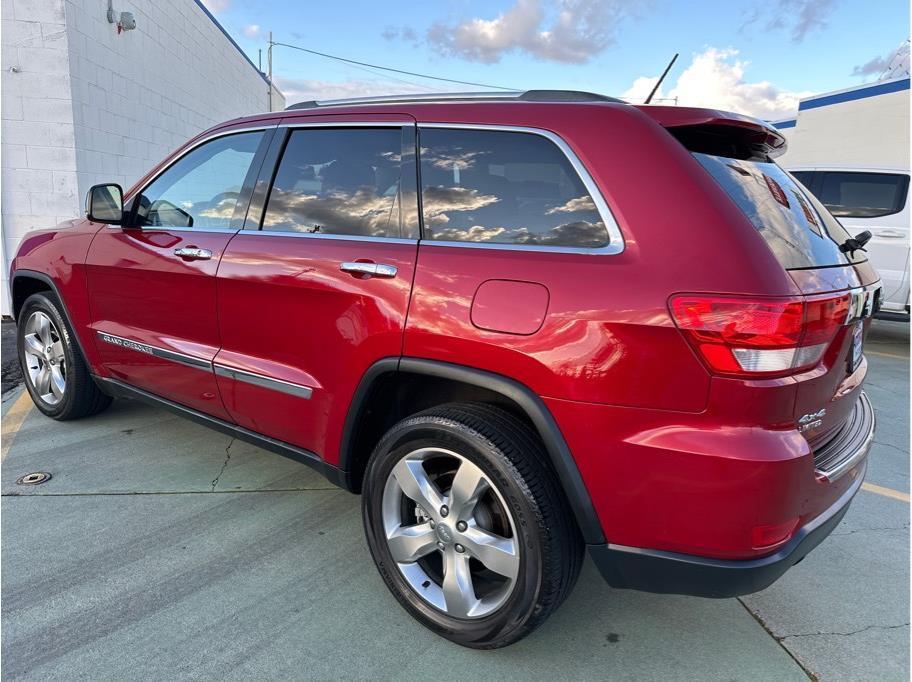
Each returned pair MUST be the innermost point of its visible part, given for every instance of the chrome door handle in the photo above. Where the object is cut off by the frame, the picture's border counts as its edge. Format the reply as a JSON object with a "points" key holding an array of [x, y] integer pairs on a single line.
{"points": [[193, 253], [890, 233], [372, 269]]}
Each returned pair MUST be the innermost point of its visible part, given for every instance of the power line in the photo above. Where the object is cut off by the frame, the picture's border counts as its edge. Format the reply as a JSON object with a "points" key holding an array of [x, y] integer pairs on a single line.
{"points": [[386, 76], [387, 68]]}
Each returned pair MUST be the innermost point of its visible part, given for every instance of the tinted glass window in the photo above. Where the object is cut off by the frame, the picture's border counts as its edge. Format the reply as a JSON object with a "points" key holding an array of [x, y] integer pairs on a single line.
{"points": [[806, 178], [797, 228], [338, 181], [504, 188], [201, 189], [863, 195]]}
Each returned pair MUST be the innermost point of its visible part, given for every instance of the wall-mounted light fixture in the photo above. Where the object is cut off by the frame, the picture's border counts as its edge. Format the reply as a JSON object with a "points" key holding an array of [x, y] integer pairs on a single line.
{"points": [[125, 20]]}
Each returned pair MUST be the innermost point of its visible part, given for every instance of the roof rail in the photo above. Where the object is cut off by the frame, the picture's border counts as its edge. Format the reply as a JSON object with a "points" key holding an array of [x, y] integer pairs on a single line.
{"points": [[506, 95]]}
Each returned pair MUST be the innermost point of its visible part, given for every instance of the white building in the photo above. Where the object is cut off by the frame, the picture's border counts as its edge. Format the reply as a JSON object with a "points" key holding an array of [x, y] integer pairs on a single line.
{"points": [[867, 125], [84, 102]]}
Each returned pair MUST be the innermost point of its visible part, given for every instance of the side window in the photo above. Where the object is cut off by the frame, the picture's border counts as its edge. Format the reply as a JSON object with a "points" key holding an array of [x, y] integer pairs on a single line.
{"points": [[343, 181], [863, 195], [500, 187], [201, 189]]}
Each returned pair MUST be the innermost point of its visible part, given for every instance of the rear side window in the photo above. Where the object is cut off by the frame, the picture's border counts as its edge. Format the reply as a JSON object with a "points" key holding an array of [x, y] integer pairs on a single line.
{"points": [[797, 228], [338, 181], [497, 187], [863, 195]]}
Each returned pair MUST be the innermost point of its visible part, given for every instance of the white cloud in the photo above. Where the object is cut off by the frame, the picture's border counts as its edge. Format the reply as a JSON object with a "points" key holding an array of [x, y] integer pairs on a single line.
{"points": [[639, 91], [253, 31], [583, 203], [574, 32], [809, 15], [216, 6], [801, 17], [715, 78], [405, 33], [303, 89]]}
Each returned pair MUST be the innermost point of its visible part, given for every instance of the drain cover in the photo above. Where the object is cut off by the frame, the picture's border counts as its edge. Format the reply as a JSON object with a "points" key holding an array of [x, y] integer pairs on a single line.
{"points": [[34, 479]]}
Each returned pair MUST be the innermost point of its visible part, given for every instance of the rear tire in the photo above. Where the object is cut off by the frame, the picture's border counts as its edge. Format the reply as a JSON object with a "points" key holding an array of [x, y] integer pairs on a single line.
{"points": [[56, 375], [492, 598]]}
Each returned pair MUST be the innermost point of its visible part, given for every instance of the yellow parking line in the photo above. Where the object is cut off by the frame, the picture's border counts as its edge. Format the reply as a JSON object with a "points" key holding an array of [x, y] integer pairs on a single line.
{"points": [[886, 355], [886, 492], [12, 421]]}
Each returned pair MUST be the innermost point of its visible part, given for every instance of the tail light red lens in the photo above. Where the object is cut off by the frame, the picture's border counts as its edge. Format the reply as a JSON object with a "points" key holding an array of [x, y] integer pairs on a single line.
{"points": [[749, 337]]}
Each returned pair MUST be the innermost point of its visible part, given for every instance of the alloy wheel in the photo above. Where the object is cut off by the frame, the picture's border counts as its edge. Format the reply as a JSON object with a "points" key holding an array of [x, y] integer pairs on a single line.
{"points": [[451, 533], [45, 359]]}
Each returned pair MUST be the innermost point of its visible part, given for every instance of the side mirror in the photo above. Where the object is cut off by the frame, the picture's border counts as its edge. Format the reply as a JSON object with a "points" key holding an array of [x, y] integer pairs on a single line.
{"points": [[104, 204]]}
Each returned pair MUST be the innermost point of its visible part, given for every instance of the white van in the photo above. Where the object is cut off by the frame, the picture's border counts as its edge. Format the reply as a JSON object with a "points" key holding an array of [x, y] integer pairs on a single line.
{"points": [[877, 200]]}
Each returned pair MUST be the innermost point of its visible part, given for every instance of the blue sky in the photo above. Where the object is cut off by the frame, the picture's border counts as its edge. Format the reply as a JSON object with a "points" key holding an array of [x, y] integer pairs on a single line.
{"points": [[753, 56]]}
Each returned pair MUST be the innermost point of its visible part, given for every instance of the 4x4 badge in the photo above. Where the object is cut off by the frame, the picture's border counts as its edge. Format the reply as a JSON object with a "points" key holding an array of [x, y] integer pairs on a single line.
{"points": [[811, 420]]}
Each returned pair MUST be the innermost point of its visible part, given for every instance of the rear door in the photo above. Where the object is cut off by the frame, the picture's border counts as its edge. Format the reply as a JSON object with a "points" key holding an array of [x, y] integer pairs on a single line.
{"points": [[316, 288], [152, 285]]}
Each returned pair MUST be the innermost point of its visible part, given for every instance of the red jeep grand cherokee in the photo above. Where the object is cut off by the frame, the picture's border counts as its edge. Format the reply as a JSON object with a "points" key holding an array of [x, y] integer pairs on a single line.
{"points": [[518, 324]]}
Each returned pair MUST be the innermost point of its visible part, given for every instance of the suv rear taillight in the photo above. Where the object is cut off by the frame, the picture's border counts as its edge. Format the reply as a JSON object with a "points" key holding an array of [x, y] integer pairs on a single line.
{"points": [[759, 337]]}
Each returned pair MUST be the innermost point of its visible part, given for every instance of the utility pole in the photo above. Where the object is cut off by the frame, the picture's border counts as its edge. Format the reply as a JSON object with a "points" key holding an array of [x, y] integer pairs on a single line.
{"points": [[269, 66]]}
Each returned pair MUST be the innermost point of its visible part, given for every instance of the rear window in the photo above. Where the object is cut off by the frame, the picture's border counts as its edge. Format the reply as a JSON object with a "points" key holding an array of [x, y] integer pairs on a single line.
{"points": [[863, 195], [798, 229]]}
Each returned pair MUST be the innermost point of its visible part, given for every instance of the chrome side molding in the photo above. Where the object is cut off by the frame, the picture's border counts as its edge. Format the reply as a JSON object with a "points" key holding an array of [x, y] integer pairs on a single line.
{"points": [[163, 353], [297, 390]]}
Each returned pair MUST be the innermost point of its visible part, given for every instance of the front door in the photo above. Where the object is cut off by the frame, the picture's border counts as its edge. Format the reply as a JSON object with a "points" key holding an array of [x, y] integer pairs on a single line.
{"points": [[152, 284], [318, 289]]}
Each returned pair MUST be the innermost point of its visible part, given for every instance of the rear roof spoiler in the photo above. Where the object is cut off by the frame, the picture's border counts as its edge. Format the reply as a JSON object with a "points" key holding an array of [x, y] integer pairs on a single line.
{"points": [[688, 122]]}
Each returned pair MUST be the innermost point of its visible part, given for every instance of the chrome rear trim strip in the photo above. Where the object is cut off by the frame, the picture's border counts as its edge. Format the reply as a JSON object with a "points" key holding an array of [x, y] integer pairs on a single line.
{"points": [[254, 379], [163, 353]]}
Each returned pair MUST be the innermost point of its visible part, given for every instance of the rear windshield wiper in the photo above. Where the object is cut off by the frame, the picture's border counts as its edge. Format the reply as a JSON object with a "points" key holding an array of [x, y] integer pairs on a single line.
{"points": [[856, 243]]}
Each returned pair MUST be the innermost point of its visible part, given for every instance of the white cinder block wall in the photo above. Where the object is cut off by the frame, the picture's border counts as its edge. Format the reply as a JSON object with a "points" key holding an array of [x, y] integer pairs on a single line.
{"points": [[87, 105], [38, 183]]}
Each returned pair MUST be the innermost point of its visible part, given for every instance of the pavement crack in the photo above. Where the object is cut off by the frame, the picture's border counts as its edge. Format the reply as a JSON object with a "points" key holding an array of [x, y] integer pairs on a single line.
{"points": [[844, 634], [870, 530], [778, 640], [890, 445], [224, 464]]}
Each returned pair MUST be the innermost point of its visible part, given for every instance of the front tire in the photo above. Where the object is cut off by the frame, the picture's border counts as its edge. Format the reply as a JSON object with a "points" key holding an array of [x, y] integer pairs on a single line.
{"points": [[467, 525], [56, 375]]}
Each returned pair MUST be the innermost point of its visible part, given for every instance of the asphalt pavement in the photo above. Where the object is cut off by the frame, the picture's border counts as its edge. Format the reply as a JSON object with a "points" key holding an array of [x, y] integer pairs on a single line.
{"points": [[162, 550], [10, 372]]}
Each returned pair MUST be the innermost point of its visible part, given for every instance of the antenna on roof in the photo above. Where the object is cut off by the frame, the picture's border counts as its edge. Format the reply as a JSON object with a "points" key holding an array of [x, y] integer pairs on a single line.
{"points": [[661, 78]]}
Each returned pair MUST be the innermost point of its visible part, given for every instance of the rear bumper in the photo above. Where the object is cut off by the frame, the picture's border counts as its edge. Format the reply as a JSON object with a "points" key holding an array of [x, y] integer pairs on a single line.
{"points": [[673, 573], [676, 573]]}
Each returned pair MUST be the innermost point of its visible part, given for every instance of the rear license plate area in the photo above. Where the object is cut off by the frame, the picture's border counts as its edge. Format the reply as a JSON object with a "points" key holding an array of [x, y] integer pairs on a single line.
{"points": [[855, 353]]}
